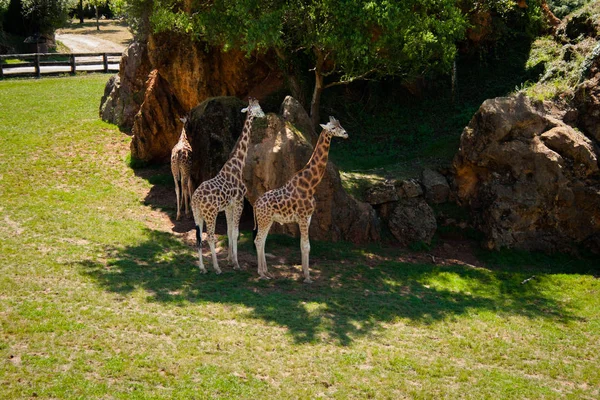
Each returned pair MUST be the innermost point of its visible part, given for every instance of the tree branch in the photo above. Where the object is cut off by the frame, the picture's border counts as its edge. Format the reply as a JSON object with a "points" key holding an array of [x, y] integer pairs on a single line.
{"points": [[363, 76]]}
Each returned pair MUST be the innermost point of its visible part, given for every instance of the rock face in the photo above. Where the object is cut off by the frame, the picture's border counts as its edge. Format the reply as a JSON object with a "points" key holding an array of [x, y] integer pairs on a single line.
{"points": [[213, 128], [531, 180], [587, 97], [124, 92], [277, 150], [412, 221], [156, 126], [436, 186], [401, 205], [189, 72]]}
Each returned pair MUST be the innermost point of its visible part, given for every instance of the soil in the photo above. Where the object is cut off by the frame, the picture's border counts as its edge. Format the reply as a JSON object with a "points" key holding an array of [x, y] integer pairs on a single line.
{"points": [[283, 263]]}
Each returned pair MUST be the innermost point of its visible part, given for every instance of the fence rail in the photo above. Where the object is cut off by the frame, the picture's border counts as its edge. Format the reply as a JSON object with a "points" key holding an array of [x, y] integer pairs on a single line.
{"points": [[36, 64]]}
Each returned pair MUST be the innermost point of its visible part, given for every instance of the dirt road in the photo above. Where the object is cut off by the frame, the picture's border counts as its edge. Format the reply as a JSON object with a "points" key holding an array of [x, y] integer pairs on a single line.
{"points": [[88, 44]]}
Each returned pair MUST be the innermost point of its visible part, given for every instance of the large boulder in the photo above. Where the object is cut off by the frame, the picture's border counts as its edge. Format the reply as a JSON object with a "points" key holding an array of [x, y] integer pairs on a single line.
{"points": [[412, 221], [157, 125], [278, 149], [124, 92], [213, 128], [197, 71], [531, 180], [587, 96], [190, 72]]}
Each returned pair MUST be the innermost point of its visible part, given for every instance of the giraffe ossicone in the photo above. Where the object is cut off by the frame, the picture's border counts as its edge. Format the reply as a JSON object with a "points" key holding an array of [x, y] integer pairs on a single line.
{"points": [[225, 192], [294, 201]]}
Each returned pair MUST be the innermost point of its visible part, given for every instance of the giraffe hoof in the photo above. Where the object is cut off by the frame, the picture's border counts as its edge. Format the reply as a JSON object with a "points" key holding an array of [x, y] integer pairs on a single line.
{"points": [[218, 272], [264, 278], [203, 271], [308, 280]]}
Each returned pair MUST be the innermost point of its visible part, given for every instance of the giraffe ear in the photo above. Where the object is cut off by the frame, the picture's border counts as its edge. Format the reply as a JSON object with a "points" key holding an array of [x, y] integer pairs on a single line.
{"points": [[323, 126], [245, 109]]}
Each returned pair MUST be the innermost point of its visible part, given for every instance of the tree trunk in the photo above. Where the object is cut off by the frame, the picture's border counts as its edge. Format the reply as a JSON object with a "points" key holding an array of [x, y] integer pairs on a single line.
{"points": [[315, 103], [80, 11], [97, 19], [292, 78]]}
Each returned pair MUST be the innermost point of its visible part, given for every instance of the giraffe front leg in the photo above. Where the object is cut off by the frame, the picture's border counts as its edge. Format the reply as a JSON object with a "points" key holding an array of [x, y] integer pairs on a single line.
{"points": [[212, 241], [305, 247], [199, 243]]}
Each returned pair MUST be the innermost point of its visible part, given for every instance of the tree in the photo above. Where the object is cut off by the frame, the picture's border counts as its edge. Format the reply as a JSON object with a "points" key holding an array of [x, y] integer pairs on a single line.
{"points": [[26, 17], [344, 40]]}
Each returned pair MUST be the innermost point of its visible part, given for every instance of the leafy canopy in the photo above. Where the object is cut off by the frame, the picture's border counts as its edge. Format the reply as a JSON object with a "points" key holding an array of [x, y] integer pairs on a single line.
{"points": [[406, 38]]}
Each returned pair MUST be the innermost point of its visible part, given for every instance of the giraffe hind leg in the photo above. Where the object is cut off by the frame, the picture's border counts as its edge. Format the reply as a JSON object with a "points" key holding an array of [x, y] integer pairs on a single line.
{"points": [[199, 225], [235, 231], [259, 242], [177, 192], [212, 240], [305, 248], [189, 195], [229, 218]]}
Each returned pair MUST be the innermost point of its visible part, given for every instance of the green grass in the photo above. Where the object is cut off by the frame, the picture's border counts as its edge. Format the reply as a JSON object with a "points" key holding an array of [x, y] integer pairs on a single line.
{"points": [[97, 301]]}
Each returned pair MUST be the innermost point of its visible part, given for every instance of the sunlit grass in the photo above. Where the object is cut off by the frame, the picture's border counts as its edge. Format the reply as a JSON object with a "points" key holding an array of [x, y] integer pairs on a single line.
{"points": [[95, 303]]}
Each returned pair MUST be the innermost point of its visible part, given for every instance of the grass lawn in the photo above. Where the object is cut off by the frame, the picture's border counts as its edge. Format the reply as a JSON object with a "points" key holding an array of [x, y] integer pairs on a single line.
{"points": [[99, 298]]}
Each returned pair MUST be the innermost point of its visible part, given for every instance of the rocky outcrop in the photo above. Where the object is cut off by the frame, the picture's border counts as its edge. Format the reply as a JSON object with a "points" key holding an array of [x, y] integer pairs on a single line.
{"points": [[196, 71], [436, 186], [587, 96], [213, 128], [190, 72], [124, 92], [156, 126], [531, 180], [412, 221], [278, 148], [402, 207]]}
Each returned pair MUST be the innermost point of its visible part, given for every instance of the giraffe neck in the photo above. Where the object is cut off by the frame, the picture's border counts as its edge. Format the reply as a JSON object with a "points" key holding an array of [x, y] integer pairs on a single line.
{"points": [[183, 137], [239, 153], [315, 168]]}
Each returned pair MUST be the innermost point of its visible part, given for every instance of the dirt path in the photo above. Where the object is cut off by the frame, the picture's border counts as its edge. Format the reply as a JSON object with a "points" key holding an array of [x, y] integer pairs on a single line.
{"points": [[88, 44]]}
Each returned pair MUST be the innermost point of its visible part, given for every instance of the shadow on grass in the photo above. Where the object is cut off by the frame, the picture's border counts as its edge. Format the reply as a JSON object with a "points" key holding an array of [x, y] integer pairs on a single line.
{"points": [[349, 298]]}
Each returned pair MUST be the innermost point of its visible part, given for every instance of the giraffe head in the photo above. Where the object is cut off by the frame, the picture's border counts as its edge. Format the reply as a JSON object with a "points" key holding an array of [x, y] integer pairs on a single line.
{"points": [[334, 127], [253, 108]]}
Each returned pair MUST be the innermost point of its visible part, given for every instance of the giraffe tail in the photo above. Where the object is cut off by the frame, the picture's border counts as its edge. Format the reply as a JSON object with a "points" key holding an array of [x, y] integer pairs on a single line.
{"points": [[255, 229]]}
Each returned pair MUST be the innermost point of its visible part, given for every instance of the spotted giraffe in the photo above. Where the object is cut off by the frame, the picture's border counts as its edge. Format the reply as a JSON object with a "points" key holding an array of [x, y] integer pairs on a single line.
{"points": [[294, 202], [181, 165], [225, 192]]}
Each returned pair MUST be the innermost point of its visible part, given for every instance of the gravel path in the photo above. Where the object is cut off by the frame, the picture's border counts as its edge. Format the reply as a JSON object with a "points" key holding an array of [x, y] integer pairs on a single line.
{"points": [[88, 44]]}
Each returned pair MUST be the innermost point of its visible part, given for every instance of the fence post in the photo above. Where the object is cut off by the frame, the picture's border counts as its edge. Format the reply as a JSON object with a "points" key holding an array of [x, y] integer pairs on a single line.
{"points": [[72, 61], [105, 60], [1, 69], [37, 65]]}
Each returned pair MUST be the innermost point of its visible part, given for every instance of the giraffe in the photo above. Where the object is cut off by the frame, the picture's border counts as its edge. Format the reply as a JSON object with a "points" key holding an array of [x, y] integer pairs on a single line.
{"points": [[225, 192], [294, 201], [181, 165]]}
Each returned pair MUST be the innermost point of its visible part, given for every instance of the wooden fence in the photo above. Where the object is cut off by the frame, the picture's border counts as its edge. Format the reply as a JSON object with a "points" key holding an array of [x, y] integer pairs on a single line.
{"points": [[37, 64]]}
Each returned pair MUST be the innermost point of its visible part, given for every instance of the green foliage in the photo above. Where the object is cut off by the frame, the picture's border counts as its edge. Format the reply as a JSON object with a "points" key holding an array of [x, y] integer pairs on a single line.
{"points": [[394, 38], [45, 16], [562, 8]]}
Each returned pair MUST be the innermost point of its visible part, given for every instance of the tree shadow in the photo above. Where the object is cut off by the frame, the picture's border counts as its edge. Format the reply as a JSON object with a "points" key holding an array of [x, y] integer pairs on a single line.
{"points": [[349, 299]]}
